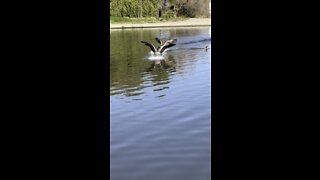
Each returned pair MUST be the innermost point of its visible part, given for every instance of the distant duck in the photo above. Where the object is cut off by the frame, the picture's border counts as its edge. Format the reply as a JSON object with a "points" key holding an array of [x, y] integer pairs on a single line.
{"points": [[205, 48], [163, 46]]}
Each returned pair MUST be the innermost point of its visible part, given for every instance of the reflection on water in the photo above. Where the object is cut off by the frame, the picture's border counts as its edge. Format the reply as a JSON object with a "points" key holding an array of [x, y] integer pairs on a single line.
{"points": [[155, 75], [130, 68], [160, 108]]}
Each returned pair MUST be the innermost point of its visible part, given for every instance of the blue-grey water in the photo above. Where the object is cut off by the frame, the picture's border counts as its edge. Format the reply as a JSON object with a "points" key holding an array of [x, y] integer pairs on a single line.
{"points": [[160, 110]]}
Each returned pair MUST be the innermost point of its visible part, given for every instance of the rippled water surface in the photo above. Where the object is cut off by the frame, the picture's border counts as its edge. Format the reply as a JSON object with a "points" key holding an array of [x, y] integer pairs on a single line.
{"points": [[160, 109]]}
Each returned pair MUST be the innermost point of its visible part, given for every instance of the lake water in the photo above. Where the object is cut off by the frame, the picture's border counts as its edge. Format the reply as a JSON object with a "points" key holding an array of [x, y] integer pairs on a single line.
{"points": [[160, 110]]}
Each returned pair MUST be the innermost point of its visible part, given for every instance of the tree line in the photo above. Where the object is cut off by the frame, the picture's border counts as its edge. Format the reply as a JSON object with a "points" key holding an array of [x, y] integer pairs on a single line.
{"points": [[159, 8]]}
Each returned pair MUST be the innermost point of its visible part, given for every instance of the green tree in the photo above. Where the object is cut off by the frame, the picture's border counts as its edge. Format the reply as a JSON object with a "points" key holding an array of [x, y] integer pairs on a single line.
{"points": [[134, 8]]}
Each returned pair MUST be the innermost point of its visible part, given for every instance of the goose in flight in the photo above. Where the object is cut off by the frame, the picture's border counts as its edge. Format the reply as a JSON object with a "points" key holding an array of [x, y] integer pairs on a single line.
{"points": [[163, 46]]}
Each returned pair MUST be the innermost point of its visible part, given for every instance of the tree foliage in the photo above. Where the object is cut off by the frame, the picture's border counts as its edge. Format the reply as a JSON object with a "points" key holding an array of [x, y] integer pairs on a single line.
{"points": [[191, 8], [131, 8], [151, 8]]}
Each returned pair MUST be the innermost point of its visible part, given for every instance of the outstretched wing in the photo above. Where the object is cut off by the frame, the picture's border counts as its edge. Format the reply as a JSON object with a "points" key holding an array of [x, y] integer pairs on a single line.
{"points": [[158, 40], [164, 47], [171, 41], [150, 45], [167, 44]]}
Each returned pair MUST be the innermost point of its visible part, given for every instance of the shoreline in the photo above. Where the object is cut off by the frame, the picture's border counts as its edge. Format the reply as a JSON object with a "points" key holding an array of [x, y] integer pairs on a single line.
{"points": [[192, 22]]}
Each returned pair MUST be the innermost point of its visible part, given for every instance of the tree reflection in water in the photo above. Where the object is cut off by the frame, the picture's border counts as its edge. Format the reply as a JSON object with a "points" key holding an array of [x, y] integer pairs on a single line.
{"points": [[132, 74]]}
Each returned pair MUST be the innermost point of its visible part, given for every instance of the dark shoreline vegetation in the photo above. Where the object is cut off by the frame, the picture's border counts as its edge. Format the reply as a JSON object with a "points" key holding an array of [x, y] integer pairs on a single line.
{"points": [[115, 20]]}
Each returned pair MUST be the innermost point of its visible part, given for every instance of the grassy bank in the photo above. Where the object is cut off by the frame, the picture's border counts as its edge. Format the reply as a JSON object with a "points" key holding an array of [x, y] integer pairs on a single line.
{"points": [[125, 20]]}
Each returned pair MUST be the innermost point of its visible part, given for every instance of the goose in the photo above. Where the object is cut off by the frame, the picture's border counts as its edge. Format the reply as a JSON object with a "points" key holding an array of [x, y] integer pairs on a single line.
{"points": [[163, 46]]}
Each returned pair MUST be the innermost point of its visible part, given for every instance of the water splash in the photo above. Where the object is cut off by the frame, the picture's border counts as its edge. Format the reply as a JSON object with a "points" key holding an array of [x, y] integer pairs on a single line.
{"points": [[155, 58]]}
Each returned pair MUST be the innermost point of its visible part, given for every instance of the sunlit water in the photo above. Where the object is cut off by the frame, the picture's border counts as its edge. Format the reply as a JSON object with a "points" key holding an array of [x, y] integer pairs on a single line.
{"points": [[160, 108]]}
